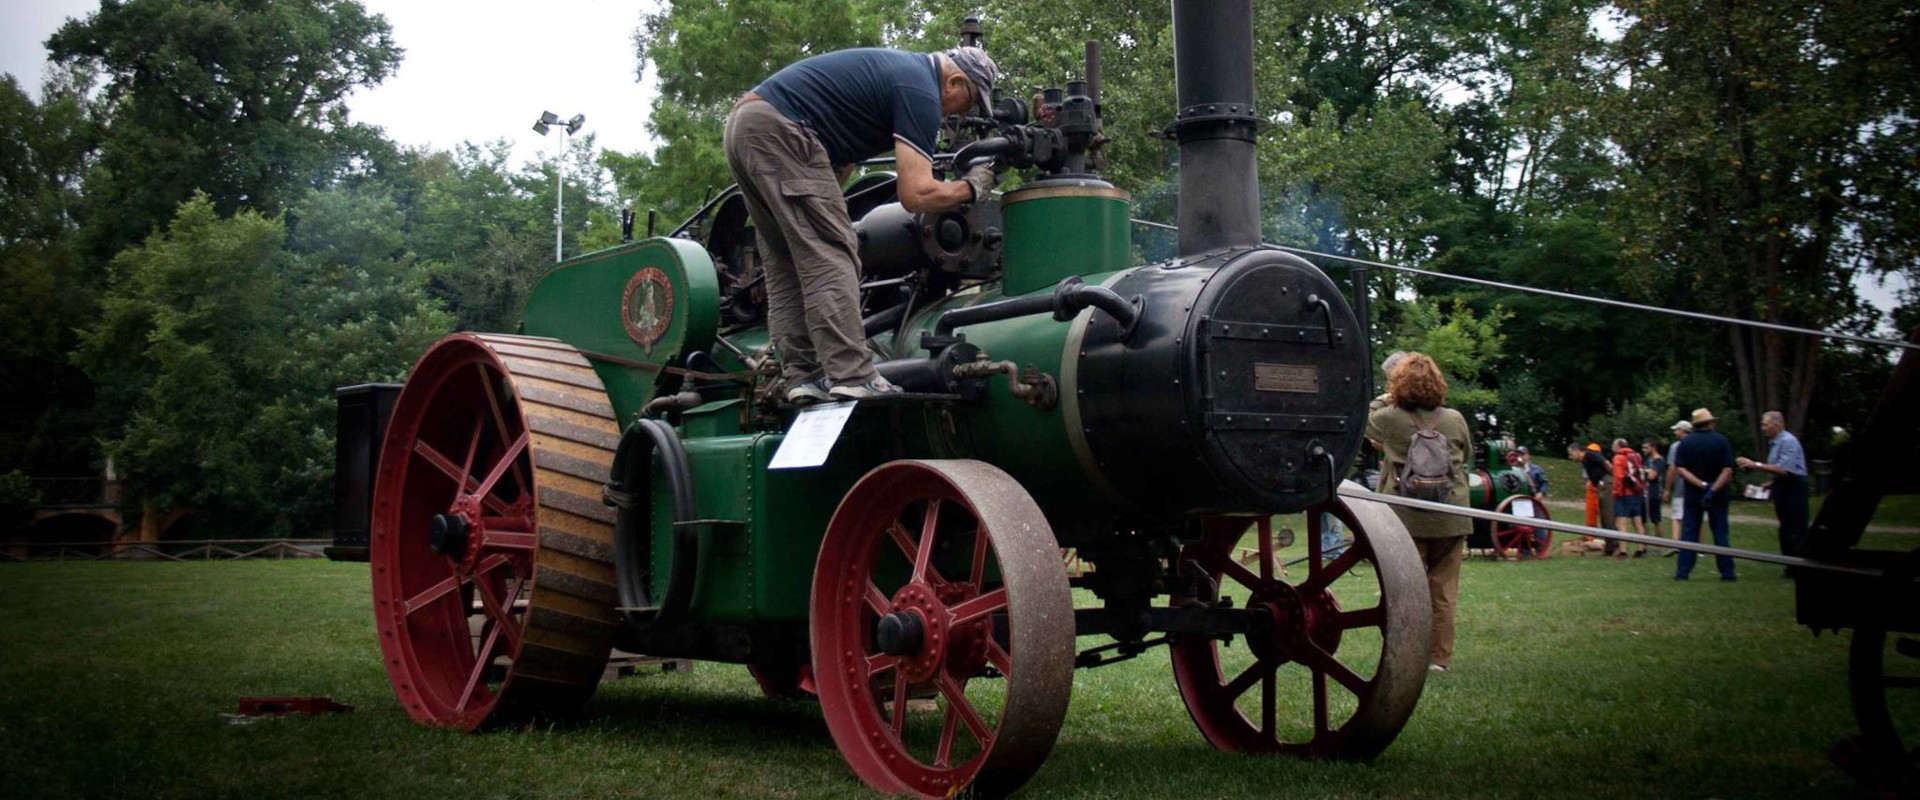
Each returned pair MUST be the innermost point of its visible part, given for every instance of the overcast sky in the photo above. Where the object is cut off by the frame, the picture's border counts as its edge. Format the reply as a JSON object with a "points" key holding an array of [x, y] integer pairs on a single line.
{"points": [[478, 69]]}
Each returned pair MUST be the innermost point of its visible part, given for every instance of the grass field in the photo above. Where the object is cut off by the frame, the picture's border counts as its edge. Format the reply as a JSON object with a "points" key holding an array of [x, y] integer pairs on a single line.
{"points": [[1575, 677]]}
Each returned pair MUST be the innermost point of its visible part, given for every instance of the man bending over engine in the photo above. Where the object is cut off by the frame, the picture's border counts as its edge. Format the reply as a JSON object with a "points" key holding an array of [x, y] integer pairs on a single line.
{"points": [[790, 142]]}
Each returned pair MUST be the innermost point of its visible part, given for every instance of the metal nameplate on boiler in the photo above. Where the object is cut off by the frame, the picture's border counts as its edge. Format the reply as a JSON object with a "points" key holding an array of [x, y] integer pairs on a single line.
{"points": [[1303, 378]]}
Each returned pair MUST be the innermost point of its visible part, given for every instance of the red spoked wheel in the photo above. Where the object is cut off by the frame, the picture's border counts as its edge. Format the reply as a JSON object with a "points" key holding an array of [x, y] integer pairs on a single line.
{"points": [[492, 552], [1340, 668], [1521, 541], [942, 630]]}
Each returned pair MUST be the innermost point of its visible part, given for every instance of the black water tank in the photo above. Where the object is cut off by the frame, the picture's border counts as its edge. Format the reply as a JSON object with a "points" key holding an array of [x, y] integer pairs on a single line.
{"points": [[361, 425]]}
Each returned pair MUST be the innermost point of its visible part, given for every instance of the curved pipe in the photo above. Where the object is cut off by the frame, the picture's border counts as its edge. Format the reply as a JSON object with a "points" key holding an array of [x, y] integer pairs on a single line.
{"points": [[985, 148], [630, 489], [1066, 300]]}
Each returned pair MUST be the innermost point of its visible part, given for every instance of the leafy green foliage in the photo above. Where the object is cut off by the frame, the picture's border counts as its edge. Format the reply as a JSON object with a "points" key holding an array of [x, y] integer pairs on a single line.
{"points": [[244, 101], [220, 349], [1465, 345]]}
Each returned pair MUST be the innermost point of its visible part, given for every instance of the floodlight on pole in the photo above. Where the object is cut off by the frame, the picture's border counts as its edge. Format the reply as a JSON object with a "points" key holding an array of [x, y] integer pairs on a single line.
{"points": [[545, 123]]}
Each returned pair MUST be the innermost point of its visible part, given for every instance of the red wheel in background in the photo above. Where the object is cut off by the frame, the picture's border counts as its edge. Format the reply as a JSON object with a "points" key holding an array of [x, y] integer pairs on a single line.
{"points": [[1521, 541], [942, 630], [1338, 667], [492, 553]]}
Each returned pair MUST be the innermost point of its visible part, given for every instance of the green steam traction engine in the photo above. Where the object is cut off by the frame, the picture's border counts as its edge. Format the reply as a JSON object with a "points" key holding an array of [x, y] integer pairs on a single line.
{"points": [[602, 478], [1502, 485]]}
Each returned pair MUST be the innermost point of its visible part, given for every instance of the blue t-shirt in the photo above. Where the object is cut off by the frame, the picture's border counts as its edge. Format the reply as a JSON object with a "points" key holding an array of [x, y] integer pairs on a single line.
{"points": [[1705, 454], [859, 101]]}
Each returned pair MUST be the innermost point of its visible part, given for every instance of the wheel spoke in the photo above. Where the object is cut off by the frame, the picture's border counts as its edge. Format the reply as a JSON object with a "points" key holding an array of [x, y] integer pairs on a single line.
{"points": [[877, 600], [1319, 703], [481, 661], [1323, 662], [957, 701], [899, 720], [502, 619], [1319, 576], [1266, 548], [998, 657], [1364, 618], [977, 607], [902, 539], [509, 459], [437, 460], [879, 663], [473, 449], [509, 540], [948, 727], [1260, 669], [923, 556], [431, 594], [1240, 573], [978, 575], [500, 424], [1267, 704]]}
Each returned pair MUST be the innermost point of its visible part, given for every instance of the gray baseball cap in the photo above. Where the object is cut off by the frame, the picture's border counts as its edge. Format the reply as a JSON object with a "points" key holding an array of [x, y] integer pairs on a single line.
{"points": [[980, 69]]}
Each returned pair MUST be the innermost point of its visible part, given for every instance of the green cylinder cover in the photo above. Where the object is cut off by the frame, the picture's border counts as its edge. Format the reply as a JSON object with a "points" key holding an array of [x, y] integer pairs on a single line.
{"points": [[1060, 228]]}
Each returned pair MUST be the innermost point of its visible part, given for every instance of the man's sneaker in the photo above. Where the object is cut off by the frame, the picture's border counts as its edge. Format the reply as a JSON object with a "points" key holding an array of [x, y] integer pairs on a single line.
{"points": [[813, 391], [861, 391]]}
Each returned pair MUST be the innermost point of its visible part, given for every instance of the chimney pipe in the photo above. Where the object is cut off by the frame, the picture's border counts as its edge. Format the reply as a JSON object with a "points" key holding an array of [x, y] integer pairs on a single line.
{"points": [[1219, 203]]}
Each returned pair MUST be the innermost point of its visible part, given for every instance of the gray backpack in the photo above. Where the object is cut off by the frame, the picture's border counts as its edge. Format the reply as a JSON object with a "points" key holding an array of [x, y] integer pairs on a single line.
{"points": [[1428, 472]]}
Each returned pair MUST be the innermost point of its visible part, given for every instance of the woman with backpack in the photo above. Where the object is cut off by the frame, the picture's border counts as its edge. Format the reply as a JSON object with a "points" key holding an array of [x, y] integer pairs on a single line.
{"points": [[1424, 449]]}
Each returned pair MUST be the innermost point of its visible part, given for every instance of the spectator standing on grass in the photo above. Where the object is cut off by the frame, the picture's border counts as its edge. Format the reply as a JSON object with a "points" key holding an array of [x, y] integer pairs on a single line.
{"points": [[1656, 473], [1705, 462], [1629, 495], [1386, 368], [1680, 431], [1599, 474], [1418, 396], [1536, 475], [1788, 464]]}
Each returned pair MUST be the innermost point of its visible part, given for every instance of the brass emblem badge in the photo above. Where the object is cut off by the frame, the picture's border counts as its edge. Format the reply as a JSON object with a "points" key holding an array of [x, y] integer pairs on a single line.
{"points": [[647, 306]]}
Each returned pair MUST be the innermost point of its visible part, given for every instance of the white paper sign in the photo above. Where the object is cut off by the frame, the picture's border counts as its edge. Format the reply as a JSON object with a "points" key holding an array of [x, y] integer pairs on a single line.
{"points": [[1522, 507], [812, 436]]}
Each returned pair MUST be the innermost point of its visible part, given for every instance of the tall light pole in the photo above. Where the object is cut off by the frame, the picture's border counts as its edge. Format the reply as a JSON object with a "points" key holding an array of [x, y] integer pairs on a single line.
{"points": [[546, 122]]}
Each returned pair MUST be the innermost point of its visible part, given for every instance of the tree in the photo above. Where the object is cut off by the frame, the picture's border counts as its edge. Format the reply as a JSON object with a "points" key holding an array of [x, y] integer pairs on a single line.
{"points": [[220, 342], [244, 100], [1770, 146], [45, 148]]}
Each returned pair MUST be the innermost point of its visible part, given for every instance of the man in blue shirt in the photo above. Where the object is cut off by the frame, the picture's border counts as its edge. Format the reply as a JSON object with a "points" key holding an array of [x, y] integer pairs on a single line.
{"points": [[790, 142], [1704, 462], [1788, 463], [1536, 475]]}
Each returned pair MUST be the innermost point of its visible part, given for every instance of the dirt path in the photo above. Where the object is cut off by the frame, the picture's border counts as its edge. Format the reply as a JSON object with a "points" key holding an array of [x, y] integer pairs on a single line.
{"points": [[1748, 519]]}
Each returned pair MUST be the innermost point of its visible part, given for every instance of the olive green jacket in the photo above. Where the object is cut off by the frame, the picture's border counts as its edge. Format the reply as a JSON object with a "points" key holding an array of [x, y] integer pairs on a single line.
{"points": [[1390, 428]]}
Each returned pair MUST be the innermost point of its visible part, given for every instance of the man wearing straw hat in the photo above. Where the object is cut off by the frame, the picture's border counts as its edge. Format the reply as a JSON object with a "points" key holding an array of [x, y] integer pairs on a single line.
{"points": [[1704, 461]]}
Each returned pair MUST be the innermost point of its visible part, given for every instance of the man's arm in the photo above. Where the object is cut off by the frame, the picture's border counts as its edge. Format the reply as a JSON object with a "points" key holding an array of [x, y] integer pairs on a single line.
{"points": [[1688, 475], [920, 192], [1726, 474]]}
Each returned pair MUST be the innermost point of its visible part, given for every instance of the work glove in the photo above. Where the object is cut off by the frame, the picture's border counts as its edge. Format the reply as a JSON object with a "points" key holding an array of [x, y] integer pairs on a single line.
{"points": [[981, 178], [1706, 497]]}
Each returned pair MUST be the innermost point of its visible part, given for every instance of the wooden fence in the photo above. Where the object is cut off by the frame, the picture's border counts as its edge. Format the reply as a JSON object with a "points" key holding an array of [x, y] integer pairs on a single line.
{"points": [[170, 550]]}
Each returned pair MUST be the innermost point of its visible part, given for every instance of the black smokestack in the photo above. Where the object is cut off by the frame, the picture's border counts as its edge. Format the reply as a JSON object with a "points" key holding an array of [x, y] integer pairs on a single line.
{"points": [[1213, 77]]}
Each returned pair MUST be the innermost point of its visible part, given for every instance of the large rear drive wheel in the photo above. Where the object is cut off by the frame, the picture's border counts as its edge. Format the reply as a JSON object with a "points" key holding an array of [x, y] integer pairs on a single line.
{"points": [[942, 630], [492, 552], [1339, 671]]}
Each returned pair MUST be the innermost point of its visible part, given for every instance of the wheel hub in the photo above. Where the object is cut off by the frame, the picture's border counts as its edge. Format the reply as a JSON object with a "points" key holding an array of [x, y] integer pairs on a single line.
{"points": [[900, 633], [448, 535], [1297, 619], [919, 601]]}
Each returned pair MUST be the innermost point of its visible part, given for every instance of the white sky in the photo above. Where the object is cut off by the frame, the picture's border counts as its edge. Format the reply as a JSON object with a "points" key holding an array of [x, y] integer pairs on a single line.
{"points": [[475, 70]]}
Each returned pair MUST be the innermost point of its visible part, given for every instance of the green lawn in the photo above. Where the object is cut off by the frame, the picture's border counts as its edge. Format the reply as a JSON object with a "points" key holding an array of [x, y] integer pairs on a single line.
{"points": [[1575, 677]]}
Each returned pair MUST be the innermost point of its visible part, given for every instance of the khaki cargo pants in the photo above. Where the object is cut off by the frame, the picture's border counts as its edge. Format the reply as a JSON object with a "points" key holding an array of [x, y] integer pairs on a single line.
{"points": [[1442, 558], [807, 245]]}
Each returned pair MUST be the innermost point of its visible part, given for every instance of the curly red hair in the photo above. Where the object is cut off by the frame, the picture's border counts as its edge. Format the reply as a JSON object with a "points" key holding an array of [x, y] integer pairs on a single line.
{"points": [[1416, 382]]}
